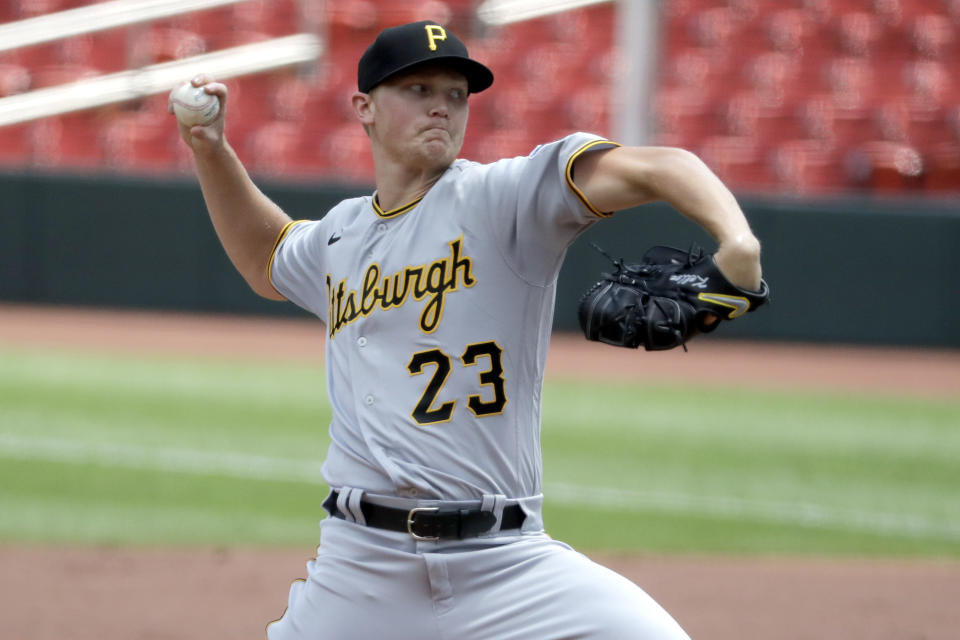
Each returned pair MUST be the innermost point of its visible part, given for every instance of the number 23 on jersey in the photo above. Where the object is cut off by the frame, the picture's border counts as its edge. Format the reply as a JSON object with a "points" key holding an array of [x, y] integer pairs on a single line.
{"points": [[492, 397]]}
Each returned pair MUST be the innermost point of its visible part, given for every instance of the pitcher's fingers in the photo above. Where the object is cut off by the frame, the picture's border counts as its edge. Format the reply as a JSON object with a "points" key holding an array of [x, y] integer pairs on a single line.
{"points": [[201, 79], [204, 133], [216, 89]]}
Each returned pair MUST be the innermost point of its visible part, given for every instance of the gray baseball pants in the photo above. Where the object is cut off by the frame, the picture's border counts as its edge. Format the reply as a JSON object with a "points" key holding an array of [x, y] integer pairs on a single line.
{"points": [[373, 584]]}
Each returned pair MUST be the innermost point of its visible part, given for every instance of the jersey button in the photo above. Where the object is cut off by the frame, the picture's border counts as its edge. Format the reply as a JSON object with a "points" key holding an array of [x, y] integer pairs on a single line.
{"points": [[368, 400], [362, 341], [381, 227]]}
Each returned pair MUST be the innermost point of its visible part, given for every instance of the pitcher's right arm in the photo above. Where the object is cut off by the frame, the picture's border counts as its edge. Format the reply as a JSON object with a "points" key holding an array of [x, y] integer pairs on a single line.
{"points": [[247, 222]]}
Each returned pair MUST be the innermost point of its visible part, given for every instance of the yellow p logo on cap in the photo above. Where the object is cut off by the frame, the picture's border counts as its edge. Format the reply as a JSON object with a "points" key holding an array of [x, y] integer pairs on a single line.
{"points": [[434, 33]]}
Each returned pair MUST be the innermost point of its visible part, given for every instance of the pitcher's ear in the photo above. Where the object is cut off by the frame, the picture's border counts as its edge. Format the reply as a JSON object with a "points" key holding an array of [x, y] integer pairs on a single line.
{"points": [[363, 106]]}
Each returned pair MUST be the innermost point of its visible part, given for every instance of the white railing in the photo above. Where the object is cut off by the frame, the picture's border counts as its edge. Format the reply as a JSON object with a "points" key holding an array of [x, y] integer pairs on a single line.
{"points": [[506, 11], [159, 78], [96, 17]]}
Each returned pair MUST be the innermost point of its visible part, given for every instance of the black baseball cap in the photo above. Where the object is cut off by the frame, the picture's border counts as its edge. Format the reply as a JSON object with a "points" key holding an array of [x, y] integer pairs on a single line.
{"points": [[400, 48]]}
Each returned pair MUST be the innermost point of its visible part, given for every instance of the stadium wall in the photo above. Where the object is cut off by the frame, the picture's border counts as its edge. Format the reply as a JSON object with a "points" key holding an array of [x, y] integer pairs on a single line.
{"points": [[862, 270]]}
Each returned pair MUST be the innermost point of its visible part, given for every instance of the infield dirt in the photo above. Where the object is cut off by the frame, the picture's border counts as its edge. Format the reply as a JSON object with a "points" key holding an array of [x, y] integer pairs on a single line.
{"points": [[51, 592]]}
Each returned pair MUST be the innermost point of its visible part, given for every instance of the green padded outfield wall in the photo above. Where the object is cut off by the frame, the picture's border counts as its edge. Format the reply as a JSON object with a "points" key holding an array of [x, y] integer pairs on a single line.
{"points": [[878, 270], [118, 242]]}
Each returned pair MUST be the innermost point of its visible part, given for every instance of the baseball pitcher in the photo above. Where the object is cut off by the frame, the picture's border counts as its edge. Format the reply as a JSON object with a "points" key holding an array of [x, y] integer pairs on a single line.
{"points": [[437, 292]]}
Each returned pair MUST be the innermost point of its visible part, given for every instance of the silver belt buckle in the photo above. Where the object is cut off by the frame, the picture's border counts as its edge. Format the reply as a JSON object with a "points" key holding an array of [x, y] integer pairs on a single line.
{"points": [[410, 517]]}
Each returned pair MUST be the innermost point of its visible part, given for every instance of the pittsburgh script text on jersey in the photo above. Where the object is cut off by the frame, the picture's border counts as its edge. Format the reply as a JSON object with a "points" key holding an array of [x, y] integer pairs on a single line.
{"points": [[434, 279]]}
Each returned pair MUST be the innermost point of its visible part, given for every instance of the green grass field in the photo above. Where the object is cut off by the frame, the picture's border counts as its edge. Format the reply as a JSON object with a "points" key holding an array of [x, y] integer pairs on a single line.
{"points": [[153, 450]]}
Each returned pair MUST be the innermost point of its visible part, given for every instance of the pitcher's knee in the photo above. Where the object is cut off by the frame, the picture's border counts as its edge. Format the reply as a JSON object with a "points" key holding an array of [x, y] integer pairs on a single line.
{"points": [[623, 622]]}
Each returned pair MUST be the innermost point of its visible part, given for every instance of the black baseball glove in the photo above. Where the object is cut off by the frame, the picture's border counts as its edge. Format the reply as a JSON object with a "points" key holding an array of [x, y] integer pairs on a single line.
{"points": [[663, 302]]}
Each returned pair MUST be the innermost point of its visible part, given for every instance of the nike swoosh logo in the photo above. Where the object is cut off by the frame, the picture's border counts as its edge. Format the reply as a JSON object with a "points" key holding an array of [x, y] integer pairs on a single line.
{"points": [[737, 304], [334, 238]]}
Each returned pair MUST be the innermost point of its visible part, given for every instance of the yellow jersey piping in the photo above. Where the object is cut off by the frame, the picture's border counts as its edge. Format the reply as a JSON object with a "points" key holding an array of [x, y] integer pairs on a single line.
{"points": [[569, 174], [273, 252], [393, 212]]}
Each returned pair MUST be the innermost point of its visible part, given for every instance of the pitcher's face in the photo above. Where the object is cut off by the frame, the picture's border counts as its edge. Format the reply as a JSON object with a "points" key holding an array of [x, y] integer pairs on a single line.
{"points": [[419, 118]]}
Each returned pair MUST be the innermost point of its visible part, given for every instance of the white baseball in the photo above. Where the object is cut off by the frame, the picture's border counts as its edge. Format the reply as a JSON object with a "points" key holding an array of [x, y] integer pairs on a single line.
{"points": [[192, 105]]}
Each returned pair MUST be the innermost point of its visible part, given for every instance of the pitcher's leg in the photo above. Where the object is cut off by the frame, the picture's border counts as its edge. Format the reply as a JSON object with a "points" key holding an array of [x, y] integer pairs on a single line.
{"points": [[543, 589], [357, 588]]}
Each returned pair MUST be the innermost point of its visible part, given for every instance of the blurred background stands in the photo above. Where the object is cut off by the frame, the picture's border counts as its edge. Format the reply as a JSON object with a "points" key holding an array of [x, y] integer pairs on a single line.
{"points": [[796, 96]]}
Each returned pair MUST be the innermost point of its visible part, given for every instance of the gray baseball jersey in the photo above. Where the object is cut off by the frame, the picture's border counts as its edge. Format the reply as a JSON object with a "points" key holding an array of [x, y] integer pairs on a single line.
{"points": [[438, 317]]}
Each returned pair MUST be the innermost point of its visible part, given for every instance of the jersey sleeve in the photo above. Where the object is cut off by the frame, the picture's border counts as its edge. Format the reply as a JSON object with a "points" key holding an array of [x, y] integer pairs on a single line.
{"points": [[295, 269], [536, 208]]}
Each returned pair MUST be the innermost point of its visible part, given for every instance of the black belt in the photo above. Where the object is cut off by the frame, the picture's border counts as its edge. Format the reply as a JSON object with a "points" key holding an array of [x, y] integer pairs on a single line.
{"points": [[431, 523]]}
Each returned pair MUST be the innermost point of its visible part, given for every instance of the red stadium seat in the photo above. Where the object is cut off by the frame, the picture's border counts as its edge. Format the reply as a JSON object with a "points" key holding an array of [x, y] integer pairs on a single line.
{"points": [[351, 15], [586, 111], [108, 50], [676, 18], [347, 152], [930, 129], [885, 166], [746, 115], [331, 106], [892, 119], [495, 51], [589, 24], [76, 50], [895, 18], [942, 167], [68, 141], [34, 56], [251, 103], [509, 108], [952, 118], [805, 166], [791, 31], [213, 25], [919, 122], [818, 118], [15, 147], [693, 69], [933, 36], [952, 8], [835, 125], [902, 13], [740, 116], [786, 123], [274, 17], [403, 11], [915, 122], [553, 68], [823, 12], [14, 78], [852, 82], [164, 44], [773, 77], [858, 33], [277, 149], [53, 75], [928, 83], [288, 100], [529, 33], [739, 161], [33, 8], [713, 28], [503, 143], [684, 118], [140, 142]]}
